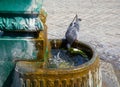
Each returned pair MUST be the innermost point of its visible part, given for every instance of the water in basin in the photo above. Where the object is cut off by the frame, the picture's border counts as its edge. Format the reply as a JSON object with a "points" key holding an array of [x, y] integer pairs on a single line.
{"points": [[61, 58]]}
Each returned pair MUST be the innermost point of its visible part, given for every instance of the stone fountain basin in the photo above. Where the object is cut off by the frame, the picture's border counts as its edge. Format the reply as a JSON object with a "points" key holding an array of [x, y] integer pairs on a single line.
{"points": [[33, 73]]}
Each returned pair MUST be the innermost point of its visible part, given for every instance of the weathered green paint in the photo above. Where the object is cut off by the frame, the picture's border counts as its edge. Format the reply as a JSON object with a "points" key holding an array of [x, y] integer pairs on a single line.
{"points": [[20, 15], [17, 48], [21, 23], [20, 6], [5, 69], [17, 16]]}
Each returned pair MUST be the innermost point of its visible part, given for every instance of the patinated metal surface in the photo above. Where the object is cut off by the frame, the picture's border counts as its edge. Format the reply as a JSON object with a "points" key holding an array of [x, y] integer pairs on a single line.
{"points": [[21, 15], [87, 74], [20, 23], [21, 45], [6, 67], [24, 45], [20, 6]]}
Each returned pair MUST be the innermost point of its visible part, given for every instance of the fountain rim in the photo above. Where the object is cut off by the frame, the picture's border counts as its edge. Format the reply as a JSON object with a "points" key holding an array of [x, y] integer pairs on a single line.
{"points": [[94, 61]]}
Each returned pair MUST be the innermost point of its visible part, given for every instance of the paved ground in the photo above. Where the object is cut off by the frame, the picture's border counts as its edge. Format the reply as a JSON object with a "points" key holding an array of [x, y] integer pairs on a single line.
{"points": [[100, 27]]}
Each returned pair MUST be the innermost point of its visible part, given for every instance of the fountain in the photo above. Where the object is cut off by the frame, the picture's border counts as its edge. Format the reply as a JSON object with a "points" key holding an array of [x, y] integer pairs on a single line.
{"points": [[27, 55]]}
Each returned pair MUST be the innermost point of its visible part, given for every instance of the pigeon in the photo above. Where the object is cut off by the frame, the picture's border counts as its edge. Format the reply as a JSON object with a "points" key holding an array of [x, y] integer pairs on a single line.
{"points": [[72, 32]]}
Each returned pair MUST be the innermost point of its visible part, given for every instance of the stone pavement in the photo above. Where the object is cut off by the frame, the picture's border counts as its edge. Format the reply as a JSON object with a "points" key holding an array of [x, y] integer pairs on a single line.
{"points": [[100, 27]]}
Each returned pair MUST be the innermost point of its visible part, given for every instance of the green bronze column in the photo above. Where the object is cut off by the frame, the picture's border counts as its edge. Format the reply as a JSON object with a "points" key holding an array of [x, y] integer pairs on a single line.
{"points": [[22, 34], [22, 29]]}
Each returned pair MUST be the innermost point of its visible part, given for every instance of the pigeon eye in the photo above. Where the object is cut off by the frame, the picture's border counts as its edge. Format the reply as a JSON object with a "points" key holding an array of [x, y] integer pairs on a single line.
{"points": [[80, 19]]}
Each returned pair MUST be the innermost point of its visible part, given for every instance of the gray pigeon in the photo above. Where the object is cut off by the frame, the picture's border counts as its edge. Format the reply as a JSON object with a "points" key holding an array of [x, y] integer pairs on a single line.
{"points": [[73, 31]]}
